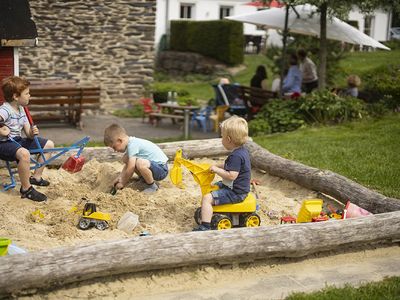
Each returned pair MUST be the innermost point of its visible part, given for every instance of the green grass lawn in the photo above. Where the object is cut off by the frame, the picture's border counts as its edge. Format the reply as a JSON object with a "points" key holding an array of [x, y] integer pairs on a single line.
{"points": [[366, 152], [388, 289], [362, 62]]}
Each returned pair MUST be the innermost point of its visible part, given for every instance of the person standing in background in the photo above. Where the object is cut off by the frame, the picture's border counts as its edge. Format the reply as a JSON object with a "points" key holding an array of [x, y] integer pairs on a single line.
{"points": [[309, 72]]}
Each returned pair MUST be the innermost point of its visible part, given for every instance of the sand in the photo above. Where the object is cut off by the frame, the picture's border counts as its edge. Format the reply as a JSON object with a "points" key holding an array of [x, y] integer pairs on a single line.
{"points": [[34, 226]]}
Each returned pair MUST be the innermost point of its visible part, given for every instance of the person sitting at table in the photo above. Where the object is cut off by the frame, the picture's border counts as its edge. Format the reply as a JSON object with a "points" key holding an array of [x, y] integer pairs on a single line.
{"points": [[292, 81], [259, 80]]}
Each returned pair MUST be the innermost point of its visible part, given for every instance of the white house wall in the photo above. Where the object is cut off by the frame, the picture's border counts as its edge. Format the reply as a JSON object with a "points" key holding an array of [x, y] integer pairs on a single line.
{"points": [[380, 26]]}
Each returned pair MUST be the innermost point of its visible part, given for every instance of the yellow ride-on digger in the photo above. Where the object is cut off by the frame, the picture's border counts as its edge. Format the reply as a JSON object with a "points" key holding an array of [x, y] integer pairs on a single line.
{"points": [[225, 216]]}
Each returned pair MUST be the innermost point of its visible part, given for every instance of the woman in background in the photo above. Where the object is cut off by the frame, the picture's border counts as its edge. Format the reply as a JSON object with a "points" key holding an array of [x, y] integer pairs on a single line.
{"points": [[259, 80]]}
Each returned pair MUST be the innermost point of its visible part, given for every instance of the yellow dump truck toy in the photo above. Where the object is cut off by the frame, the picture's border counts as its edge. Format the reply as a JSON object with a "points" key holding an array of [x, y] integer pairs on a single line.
{"points": [[225, 216]]}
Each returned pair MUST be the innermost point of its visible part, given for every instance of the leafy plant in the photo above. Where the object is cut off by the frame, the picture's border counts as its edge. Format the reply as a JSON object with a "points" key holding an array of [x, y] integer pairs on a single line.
{"points": [[281, 115], [187, 100], [259, 127], [385, 80], [325, 107]]}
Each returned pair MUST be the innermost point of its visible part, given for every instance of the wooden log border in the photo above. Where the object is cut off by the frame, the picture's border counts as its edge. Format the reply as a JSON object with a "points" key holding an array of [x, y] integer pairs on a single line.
{"points": [[60, 266]]}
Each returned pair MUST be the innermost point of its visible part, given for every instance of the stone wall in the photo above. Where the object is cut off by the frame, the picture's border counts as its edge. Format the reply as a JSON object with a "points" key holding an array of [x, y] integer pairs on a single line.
{"points": [[98, 42]]}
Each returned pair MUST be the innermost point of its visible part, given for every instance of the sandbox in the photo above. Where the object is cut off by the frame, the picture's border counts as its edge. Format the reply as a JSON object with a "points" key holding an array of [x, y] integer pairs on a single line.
{"points": [[168, 217]]}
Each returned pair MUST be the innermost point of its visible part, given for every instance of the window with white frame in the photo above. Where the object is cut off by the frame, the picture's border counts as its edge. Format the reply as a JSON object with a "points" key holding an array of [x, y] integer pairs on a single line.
{"points": [[368, 24], [187, 10], [225, 11]]}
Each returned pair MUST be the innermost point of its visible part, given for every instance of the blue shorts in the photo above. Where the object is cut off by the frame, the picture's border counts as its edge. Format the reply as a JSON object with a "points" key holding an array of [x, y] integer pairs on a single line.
{"points": [[8, 149], [159, 171], [226, 196]]}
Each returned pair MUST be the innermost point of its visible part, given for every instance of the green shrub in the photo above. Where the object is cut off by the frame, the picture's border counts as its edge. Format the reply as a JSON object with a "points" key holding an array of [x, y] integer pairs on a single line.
{"points": [[221, 39], [377, 109], [187, 100], [281, 115], [259, 126], [324, 107], [384, 80]]}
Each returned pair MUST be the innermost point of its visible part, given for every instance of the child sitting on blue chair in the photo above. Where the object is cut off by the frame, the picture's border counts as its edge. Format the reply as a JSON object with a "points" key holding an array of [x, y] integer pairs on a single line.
{"points": [[13, 147]]}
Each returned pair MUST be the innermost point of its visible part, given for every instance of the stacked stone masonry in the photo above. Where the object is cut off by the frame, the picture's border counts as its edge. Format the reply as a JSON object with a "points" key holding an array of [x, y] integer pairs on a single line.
{"points": [[97, 42]]}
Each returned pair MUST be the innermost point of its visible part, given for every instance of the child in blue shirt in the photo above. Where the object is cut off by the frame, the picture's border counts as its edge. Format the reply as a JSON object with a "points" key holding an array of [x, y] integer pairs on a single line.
{"points": [[236, 171], [12, 121], [141, 156]]}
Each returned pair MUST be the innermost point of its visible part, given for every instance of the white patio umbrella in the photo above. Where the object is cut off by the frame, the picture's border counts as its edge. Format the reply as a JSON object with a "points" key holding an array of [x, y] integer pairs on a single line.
{"points": [[304, 19]]}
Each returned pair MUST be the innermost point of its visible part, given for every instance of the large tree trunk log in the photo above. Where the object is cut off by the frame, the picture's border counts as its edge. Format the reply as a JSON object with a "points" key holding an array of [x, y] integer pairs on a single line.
{"points": [[337, 186], [49, 268]]}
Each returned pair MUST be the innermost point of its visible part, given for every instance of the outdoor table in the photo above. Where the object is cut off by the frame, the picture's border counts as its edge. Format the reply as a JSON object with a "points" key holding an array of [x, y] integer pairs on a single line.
{"points": [[187, 109]]}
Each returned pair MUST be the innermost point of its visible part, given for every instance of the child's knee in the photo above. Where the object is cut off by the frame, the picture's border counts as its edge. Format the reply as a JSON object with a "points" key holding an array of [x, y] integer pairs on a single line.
{"points": [[207, 199], [142, 164], [49, 144], [23, 155]]}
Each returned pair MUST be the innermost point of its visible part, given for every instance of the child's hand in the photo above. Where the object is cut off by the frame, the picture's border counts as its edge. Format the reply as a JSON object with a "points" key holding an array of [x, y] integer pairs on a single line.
{"points": [[34, 130], [117, 184], [4, 130], [213, 169]]}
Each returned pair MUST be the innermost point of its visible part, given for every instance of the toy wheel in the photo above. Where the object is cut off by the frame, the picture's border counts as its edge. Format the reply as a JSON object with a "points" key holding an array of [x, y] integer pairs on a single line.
{"points": [[84, 223], [101, 225], [250, 220], [220, 222], [197, 215]]}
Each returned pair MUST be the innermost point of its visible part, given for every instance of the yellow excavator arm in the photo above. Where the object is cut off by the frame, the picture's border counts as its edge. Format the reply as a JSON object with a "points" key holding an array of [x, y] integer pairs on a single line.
{"points": [[200, 172]]}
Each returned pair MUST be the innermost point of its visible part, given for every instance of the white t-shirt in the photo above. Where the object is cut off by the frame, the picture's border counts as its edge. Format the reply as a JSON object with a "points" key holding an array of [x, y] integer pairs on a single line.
{"points": [[14, 120], [145, 149]]}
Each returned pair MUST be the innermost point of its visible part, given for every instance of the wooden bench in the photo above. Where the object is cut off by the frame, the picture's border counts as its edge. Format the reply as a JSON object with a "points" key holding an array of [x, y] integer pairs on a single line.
{"points": [[255, 98], [63, 101], [158, 116]]}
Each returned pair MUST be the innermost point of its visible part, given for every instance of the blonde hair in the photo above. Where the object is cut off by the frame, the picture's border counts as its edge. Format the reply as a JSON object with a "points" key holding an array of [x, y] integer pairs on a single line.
{"points": [[237, 130], [113, 132], [353, 81]]}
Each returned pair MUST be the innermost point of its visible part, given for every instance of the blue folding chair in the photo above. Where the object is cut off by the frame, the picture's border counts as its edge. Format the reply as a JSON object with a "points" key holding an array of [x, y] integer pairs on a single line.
{"points": [[202, 118]]}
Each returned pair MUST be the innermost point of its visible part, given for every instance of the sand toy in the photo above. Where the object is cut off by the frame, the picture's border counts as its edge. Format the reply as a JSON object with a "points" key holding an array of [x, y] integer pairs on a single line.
{"points": [[4, 243], [91, 217], [310, 211], [225, 216], [73, 164]]}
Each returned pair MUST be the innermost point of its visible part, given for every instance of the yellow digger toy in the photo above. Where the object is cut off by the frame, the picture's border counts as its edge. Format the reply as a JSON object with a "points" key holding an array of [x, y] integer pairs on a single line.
{"points": [[91, 217], [225, 216]]}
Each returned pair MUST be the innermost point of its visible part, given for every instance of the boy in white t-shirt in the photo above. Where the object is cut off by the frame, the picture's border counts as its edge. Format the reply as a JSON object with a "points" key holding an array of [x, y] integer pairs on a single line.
{"points": [[141, 156], [14, 147]]}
